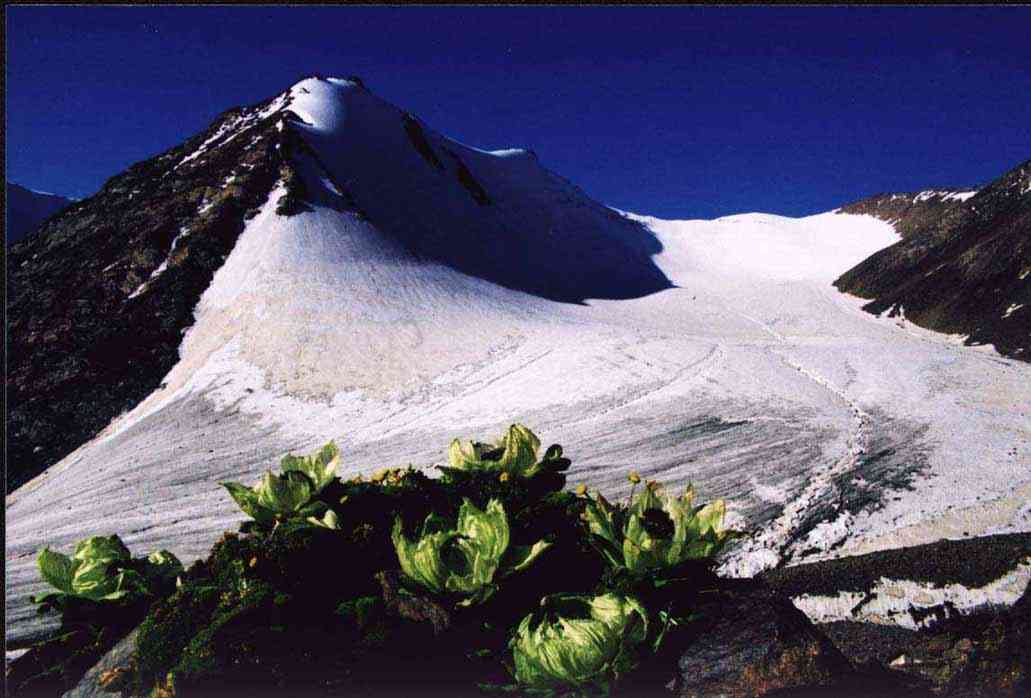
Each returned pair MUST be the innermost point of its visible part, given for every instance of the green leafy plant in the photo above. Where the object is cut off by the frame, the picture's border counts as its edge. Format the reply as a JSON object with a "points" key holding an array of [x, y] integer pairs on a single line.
{"points": [[102, 569], [468, 559], [319, 467], [515, 453], [657, 531], [577, 641], [290, 495], [256, 609]]}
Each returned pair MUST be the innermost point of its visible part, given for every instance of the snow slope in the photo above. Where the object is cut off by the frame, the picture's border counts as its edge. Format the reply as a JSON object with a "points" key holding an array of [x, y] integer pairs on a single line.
{"points": [[399, 311]]}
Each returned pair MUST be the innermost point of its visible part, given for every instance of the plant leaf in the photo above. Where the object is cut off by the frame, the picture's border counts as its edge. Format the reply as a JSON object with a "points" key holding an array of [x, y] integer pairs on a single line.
{"points": [[93, 581], [522, 556], [96, 548], [329, 520], [56, 569], [320, 467], [422, 560], [284, 494], [247, 499]]}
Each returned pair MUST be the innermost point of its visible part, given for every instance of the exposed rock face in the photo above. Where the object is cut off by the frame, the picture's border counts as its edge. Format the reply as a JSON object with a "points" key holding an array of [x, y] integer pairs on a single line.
{"points": [[26, 209], [913, 213], [941, 614], [753, 642], [984, 654], [999, 661], [102, 678], [913, 587], [98, 300], [962, 266]]}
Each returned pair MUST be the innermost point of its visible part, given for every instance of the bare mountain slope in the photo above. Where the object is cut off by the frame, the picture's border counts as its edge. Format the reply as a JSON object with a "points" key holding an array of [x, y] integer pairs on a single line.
{"points": [[962, 266]]}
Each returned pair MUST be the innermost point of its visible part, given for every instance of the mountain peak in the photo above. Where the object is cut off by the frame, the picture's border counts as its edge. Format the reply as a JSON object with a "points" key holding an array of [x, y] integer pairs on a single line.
{"points": [[330, 180]]}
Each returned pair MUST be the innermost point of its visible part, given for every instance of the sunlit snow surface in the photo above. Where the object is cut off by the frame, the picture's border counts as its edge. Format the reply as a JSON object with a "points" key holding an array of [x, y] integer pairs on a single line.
{"points": [[829, 430]]}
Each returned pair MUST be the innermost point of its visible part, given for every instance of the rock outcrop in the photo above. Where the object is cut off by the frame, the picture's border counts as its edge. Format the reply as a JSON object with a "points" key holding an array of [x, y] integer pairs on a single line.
{"points": [[99, 298], [962, 266]]}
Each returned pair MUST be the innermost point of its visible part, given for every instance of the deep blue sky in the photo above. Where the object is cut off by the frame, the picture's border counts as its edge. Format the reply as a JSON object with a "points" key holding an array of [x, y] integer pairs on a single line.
{"points": [[675, 112]]}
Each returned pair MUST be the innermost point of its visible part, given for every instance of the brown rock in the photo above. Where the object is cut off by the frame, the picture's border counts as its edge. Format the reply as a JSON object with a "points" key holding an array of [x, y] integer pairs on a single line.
{"points": [[999, 661], [752, 644]]}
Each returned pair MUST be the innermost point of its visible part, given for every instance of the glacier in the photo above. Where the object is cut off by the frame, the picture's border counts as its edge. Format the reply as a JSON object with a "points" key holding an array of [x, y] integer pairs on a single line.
{"points": [[398, 310]]}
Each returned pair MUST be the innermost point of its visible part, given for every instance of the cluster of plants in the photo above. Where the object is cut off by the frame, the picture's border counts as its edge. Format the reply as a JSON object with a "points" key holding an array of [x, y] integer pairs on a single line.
{"points": [[491, 578], [101, 592]]}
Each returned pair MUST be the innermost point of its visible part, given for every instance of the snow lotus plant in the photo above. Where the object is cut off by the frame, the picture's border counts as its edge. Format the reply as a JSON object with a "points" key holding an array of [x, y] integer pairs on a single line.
{"points": [[468, 560], [319, 467], [515, 454], [102, 569], [577, 641], [657, 531], [289, 495]]}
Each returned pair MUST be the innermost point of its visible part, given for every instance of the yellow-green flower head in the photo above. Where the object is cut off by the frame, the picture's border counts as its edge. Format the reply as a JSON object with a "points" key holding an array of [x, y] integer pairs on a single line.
{"points": [[657, 531], [290, 493], [514, 453], [633, 477], [576, 641], [465, 560], [96, 571]]}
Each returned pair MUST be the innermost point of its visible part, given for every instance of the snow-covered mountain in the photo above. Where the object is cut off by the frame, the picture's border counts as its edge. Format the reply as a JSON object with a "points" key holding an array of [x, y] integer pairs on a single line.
{"points": [[25, 209], [324, 265]]}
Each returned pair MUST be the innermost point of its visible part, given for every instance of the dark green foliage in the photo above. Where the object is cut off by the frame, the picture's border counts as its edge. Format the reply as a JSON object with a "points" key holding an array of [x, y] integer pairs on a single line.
{"points": [[267, 603], [221, 647], [54, 666], [170, 626]]}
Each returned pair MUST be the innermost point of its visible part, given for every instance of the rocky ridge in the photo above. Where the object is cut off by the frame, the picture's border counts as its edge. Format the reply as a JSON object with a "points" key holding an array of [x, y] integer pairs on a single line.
{"points": [[130, 261], [962, 265]]}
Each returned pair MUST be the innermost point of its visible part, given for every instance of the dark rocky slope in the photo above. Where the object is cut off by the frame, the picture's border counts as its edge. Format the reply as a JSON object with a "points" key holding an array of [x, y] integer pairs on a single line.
{"points": [[90, 331], [984, 651], [963, 265], [25, 209]]}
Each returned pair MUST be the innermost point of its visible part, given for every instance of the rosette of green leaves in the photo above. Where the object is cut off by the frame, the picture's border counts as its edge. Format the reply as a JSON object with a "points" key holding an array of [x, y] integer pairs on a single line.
{"points": [[102, 569], [577, 641], [467, 560], [658, 531], [289, 495], [515, 453], [319, 467]]}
